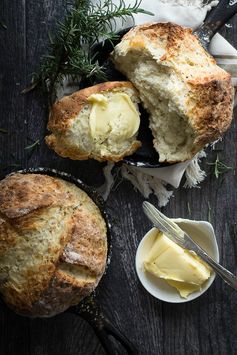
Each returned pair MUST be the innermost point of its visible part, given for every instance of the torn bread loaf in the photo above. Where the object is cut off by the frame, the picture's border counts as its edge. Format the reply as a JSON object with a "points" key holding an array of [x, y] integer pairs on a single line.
{"points": [[53, 244], [189, 98], [99, 122]]}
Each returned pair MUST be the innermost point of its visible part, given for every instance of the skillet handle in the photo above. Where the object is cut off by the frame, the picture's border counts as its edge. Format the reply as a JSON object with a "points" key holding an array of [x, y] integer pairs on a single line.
{"points": [[103, 328], [217, 17]]}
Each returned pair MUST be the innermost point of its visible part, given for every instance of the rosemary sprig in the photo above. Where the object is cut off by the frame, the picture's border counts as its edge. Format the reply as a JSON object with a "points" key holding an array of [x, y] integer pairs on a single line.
{"points": [[219, 167], [209, 212], [2, 25], [2, 130], [85, 24], [33, 145], [189, 209]]}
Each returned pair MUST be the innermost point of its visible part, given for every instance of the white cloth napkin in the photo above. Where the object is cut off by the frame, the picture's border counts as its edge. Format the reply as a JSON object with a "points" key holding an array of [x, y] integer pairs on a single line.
{"points": [[188, 13]]}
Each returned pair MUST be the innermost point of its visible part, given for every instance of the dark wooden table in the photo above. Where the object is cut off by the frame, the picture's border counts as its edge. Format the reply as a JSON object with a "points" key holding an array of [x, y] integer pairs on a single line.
{"points": [[207, 325]]}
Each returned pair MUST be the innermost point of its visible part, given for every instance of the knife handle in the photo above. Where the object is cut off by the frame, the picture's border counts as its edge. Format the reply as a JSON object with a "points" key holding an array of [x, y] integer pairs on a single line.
{"points": [[225, 274], [216, 18]]}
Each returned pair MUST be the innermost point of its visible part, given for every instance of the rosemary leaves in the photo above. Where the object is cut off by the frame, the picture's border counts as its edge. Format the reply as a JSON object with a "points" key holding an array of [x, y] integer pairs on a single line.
{"points": [[219, 167], [85, 24]]}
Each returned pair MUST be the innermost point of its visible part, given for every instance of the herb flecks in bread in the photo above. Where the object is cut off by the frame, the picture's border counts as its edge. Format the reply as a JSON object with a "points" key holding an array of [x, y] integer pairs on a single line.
{"points": [[189, 98], [99, 122], [53, 244]]}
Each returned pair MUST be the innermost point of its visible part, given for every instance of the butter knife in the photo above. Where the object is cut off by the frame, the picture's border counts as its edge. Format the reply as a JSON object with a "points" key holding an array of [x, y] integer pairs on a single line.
{"points": [[177, 235]]}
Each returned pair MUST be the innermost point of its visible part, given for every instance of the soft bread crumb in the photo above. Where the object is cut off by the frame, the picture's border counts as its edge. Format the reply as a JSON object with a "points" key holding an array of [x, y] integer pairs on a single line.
{"points": [[189, 98], [69, 123]]}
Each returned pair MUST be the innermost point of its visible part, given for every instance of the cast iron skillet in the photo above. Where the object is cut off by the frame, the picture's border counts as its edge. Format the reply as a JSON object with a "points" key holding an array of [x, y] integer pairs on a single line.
{"points": [[88, 308], [146, 156]]}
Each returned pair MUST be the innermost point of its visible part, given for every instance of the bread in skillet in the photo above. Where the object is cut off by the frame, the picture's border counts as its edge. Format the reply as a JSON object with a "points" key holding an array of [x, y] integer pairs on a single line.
{"points": [[189, 98], [53, 244], [69, 123]]}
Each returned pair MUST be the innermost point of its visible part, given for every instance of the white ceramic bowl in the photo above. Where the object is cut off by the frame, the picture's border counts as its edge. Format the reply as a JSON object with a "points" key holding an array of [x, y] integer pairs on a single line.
{"points": [[202, 232]]}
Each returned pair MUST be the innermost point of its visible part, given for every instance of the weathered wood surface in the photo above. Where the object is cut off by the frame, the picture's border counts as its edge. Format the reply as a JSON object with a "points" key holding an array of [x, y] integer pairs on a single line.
{"points": [[205, 326]]}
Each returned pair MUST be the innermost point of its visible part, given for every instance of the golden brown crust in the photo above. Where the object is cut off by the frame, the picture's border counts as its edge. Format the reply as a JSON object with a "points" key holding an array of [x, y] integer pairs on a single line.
{"points": [[174, 37], [9, 236], [212, 114], [73, 153], [53, 244], [63, 113], [209, 102], [86, 248], [65, 151], [61, 292], [20, 195]]}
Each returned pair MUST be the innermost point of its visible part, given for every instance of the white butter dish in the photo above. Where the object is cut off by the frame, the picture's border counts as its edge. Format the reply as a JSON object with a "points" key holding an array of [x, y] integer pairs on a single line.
{"points": [[203, 233]]}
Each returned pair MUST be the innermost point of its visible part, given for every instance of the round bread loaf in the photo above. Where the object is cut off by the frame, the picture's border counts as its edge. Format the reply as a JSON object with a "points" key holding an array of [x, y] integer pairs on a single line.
{"points": [[53, 244], [189, 98], [69, 123]]}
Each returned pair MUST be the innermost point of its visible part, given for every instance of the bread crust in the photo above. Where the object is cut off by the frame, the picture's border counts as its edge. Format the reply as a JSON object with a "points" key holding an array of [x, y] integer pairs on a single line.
{"points": [[43, 272], [66, 109], [62, 149], [209, 103]]}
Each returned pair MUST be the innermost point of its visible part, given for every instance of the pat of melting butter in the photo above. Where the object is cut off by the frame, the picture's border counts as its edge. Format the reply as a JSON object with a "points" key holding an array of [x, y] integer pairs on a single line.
{"points": [[114, 116], [177, 266]]}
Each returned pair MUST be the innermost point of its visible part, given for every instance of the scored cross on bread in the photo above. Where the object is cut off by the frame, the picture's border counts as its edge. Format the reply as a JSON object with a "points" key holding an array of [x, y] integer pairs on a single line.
{"points": [[53, 244]]}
